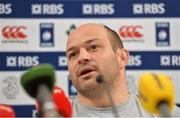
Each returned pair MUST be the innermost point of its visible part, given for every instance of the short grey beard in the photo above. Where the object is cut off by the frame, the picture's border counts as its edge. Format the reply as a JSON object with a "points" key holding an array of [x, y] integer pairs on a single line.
{"points": [[92, 93]]}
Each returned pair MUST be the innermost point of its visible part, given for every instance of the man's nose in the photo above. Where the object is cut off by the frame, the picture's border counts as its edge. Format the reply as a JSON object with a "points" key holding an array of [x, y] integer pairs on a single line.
{"points": [[84, 56]]}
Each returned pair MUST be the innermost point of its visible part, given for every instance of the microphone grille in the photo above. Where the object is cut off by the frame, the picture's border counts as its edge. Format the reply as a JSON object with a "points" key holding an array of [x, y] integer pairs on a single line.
{"points": [[99, 79]]}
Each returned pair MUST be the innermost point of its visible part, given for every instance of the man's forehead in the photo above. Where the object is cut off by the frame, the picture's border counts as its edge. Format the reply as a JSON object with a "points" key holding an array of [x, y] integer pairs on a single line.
{"points": [[90, 25], [85, 30], [74, 44]]}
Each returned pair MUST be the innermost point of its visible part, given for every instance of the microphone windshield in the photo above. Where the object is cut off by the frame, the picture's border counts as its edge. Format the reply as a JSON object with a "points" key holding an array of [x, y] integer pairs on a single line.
{"points": [[155, 89], [41, 74], [99, 79], [6, 111], [62, 102]]}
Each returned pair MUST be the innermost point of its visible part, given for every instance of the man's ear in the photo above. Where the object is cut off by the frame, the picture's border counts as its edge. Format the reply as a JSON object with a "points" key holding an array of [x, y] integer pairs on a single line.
{"points": [[123, 56]]}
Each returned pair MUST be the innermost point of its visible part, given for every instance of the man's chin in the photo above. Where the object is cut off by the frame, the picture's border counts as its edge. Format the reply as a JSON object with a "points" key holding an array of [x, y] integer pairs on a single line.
{"points": [[89, 86]]}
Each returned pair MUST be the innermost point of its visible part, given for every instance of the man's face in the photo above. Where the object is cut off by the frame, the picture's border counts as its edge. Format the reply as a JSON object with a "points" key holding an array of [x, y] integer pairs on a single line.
{"points": [[89, 53]]}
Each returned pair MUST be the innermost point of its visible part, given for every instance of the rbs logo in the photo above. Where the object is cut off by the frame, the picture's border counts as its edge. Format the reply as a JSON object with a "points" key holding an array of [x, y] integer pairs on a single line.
{"points": [[135, 60], [5, 8], [47, 9], [147, 8], [98, 9], [22, 61]]}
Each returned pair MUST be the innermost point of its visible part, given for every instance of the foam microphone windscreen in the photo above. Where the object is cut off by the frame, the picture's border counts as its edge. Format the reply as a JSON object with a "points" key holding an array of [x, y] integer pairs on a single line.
{"points": [[155, 89], [41, 74], [62, 102], [6, 111]]}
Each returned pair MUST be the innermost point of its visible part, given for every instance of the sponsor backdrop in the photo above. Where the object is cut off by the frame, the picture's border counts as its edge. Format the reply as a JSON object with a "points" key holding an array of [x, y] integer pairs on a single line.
{"points": [[34, 32]]}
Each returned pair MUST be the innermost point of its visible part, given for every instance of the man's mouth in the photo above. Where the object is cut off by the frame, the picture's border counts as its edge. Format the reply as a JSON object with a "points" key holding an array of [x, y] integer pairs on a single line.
{"points": [[85, 71]]}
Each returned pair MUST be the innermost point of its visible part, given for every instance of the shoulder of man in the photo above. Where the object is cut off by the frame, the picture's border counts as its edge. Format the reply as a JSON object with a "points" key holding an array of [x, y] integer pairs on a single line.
{"points": [[176, 112], [142, 111]]}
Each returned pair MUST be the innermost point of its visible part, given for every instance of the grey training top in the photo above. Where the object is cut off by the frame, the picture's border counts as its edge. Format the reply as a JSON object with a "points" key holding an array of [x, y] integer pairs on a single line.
{"points": [[131, 108]]}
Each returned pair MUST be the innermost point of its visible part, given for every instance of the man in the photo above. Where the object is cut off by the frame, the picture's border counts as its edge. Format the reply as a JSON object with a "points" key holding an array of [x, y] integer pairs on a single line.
{"points": [[95, 51]]}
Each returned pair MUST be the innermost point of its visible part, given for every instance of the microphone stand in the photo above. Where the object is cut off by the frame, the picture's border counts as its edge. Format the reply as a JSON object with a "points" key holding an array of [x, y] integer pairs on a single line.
{"points": [[164, 110], [44, 96]]}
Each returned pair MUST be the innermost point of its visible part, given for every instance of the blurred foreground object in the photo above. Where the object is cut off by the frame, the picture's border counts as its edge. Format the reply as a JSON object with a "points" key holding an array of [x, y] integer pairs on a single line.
{"points": [[156, 93], [61, 101], [39, 82], [6, 111]]}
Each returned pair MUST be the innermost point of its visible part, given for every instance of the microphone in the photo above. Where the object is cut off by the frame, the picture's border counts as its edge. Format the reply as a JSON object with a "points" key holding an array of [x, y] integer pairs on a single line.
{"points": [[6, 111], [156, 93], [101, 80], [38, 82], [61, 101]]}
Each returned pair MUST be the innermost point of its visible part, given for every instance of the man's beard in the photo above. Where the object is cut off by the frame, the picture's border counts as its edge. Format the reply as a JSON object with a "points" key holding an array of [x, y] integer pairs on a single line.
{"points": [[91, 91]]}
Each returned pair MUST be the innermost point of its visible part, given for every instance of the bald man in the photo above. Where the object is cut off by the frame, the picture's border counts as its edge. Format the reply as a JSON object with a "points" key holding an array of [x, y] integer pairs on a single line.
{"points": [[95, 51]]}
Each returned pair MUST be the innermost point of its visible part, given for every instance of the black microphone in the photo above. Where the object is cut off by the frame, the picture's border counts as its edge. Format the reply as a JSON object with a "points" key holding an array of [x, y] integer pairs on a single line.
{"points": [[38, 82], [101, 80]]}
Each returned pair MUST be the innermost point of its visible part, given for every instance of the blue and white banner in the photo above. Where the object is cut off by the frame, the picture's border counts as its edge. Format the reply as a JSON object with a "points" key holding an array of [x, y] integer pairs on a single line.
{"points": [[139, 60], [88, 9], [34, 32]]}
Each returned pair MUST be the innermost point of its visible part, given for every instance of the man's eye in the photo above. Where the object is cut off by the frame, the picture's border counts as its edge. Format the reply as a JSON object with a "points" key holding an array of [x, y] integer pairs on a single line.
{"points": [[72, 55], [92, 47]]}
